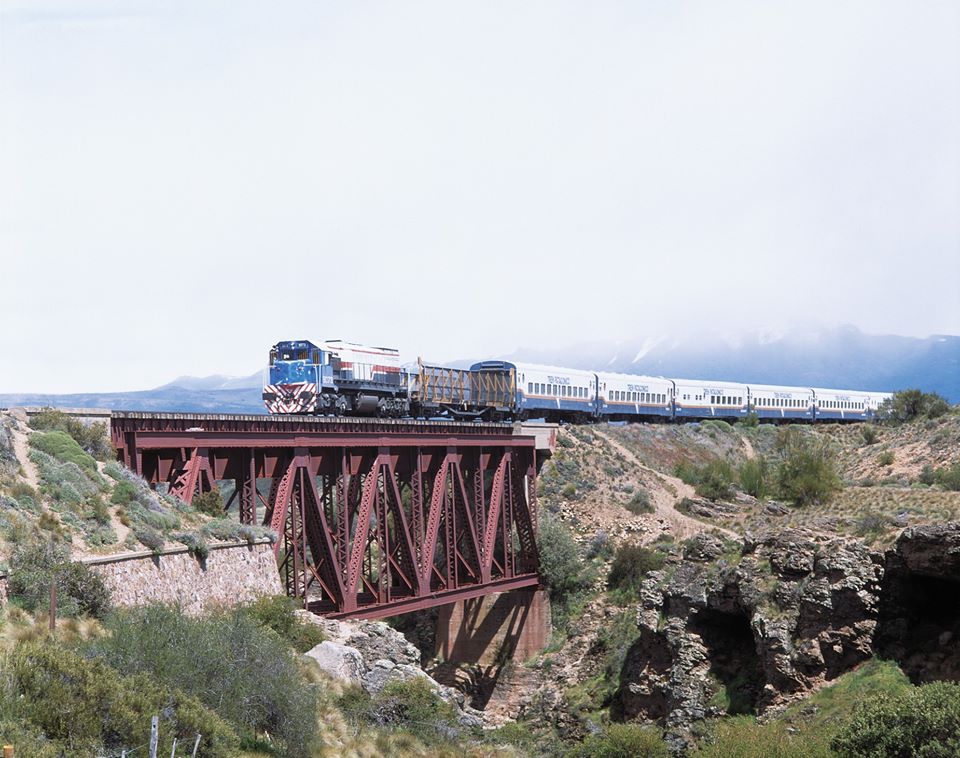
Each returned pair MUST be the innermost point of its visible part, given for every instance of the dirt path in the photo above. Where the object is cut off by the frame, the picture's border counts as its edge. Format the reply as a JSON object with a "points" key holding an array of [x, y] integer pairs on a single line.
{"points": [[21, 447], [748, 447], [665, 492]]}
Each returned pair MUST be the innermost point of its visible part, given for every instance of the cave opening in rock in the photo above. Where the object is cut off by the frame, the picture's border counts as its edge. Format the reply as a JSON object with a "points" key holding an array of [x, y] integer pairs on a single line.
{"points": [[920, 626], [734, 662]]}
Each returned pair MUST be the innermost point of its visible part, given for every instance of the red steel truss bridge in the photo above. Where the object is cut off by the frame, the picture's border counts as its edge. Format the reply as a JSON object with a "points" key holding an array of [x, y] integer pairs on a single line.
{"points": [[375, 517]]}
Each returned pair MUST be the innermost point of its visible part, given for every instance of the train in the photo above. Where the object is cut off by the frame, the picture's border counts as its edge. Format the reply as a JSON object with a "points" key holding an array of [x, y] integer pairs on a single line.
{"points": [[338, 378]]}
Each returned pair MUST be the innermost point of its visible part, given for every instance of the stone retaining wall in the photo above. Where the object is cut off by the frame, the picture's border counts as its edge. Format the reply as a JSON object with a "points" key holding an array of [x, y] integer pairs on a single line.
{"points": [[232, 573]]}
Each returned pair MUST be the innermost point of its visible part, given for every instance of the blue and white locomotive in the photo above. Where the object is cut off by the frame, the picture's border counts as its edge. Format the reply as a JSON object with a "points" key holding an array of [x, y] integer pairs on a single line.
{"points": [[342, 378]]}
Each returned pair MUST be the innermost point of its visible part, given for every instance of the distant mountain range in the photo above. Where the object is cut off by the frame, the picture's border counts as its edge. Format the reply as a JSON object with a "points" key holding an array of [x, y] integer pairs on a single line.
{"points": [[842, 358]]}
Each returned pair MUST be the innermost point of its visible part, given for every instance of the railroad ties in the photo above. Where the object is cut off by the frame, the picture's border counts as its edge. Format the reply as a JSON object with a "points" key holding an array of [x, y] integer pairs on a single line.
{"points": [[375, 517]]}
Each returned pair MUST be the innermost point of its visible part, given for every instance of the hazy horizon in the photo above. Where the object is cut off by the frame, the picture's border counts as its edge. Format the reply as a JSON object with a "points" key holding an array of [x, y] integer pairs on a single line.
{"points": [[184, 184]]}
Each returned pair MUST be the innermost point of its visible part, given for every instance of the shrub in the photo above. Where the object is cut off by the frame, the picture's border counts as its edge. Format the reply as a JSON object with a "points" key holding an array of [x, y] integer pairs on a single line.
{"points": [[560, 564], [869, 434], [569, 491], [640, 503], [64, 448], [209, 503], [195, 543], [949, 478], [600, 545], [276, 612], [623, 741], [35, 564], [743, 737], [753, 475], [631, 564], [911, 404], [715, 481], [222, 529], [927, 475], [885, 458], [226, 661], [124, 493], [149, 537], [91, 437], [871, 524], [807, 471], [85, 704], [414, 706], [751, 420], [922, 721]]}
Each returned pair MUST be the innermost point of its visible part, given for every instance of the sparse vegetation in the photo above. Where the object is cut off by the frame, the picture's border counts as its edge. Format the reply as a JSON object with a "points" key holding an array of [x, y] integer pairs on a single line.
{"points": [[631, 564], [623, 741], [807, 470], [91, 437], [38, 563], [639, 503], [909, 405], [209, 503], [885, 458], [754, 476]]}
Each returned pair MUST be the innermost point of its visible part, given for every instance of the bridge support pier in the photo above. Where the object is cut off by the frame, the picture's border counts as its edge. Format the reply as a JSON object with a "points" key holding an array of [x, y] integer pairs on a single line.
{"points": [[494, 629]]}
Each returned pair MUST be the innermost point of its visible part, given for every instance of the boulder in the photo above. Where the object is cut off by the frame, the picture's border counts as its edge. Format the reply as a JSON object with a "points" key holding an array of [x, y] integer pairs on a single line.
{"points": [[342, 662]]}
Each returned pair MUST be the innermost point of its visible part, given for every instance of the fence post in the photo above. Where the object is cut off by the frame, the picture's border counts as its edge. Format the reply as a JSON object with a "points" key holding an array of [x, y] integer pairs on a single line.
{"points": [[53, 606], [8, 751], [173, 750], [195, 746], [154, 735]]}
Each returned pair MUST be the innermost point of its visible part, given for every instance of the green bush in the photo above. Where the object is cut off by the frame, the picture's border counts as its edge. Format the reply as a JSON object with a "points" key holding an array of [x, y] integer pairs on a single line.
{"points": [[624, 741], [195, 543], [85, 705], [751, 420], [209, 503], [869, 434], [885, 458], [64, 448], [754, 475], [412, 705], [715, 481], [36, 564], [743, 737], [124, 493], [922, 721], [712, 480], [927, 475], [807, 470], [227, 661], [276, 612], [91, 437], [640, 503], [631, 564], [560, 562], [911, 404], [149, 537], [949, 478]]}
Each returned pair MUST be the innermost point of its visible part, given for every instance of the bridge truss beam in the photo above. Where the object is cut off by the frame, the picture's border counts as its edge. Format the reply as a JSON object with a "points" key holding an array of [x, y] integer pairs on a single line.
{"points": [[373, 519]]}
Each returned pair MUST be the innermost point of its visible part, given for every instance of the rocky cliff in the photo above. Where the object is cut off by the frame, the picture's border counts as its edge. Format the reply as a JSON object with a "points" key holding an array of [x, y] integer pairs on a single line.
{"points": [[748, 631]]}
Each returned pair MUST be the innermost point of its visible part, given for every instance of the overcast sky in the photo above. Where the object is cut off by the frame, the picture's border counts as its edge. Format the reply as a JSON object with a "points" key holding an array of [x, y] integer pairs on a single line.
{"points": [[184, 184]]}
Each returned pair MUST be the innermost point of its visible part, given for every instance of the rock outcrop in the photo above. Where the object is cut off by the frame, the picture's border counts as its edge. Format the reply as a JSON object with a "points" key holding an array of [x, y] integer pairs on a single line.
{"points": [[744, 633], [920, 609], [371, 654]]}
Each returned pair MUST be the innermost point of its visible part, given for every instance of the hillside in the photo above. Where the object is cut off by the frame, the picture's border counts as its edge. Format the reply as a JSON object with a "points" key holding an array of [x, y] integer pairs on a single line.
{"points": [[684, 608], [615, 486]]}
